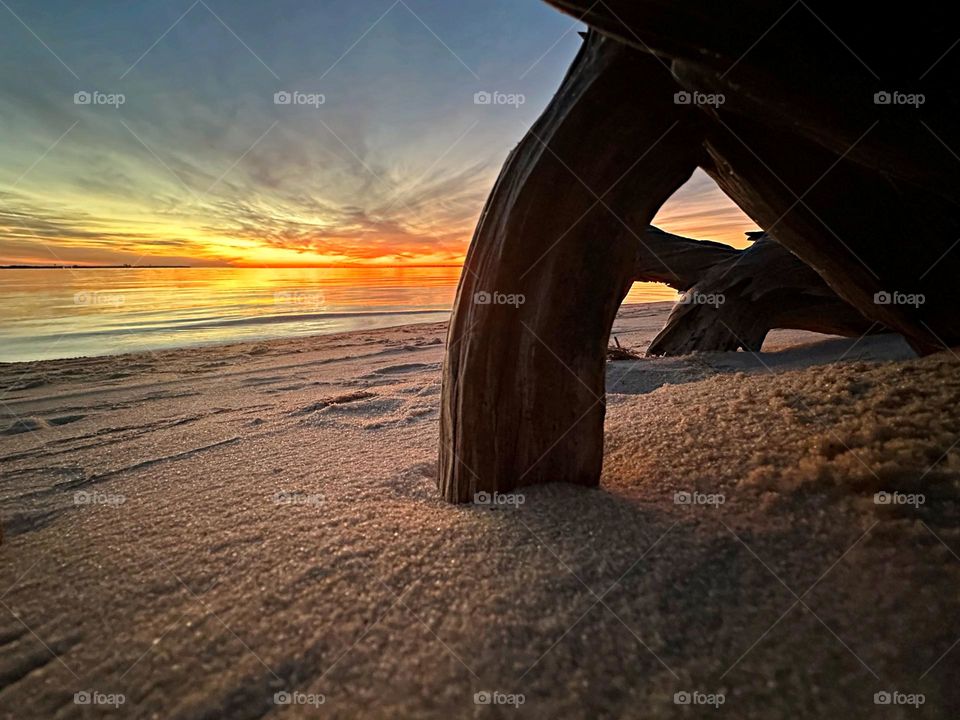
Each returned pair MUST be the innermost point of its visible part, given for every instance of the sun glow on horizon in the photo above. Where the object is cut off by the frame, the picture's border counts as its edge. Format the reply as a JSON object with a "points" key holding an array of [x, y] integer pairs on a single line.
{"points": [[201, 167], [698, 210]]}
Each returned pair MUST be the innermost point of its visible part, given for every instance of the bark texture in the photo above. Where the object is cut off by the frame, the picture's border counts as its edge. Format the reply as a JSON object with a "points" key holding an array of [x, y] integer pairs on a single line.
{"points": [[523, 389]]}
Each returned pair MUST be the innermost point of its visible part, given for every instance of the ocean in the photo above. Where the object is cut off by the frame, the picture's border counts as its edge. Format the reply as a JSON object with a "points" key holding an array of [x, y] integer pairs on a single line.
{"points": [[71, 312]]}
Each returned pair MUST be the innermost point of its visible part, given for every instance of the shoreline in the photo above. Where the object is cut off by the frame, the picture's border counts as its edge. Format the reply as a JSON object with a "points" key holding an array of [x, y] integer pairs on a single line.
{"points": [[656, 306]]}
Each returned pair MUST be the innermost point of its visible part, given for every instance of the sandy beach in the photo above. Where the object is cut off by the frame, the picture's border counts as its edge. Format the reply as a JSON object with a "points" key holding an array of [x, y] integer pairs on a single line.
{"points": [[213, 532]]}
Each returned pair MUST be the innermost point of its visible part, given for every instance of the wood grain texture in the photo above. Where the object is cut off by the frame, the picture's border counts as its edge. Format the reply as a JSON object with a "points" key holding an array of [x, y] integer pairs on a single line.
{"points": [[522, 400]]}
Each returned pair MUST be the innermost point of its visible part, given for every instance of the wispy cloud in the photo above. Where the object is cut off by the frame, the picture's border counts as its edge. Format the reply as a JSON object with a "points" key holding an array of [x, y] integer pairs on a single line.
{"points": [[200, 163]]}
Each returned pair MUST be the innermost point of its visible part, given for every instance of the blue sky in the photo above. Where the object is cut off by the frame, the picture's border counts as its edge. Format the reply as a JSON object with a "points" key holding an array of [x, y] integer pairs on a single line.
{"points": [[198, 164]]}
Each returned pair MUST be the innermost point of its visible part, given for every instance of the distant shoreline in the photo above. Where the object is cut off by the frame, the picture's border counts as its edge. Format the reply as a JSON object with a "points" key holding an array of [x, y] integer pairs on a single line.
{"points": [[216, 267], [92, 267]]}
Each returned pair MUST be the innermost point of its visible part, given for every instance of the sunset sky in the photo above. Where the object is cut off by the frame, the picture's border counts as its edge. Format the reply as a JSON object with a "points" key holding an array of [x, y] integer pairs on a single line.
{"points": [[200, 166]]}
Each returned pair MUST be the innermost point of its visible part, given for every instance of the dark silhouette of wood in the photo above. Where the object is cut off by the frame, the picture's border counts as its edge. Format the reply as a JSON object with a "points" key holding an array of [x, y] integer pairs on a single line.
{"points": [[675, 260], [866, 192], [522, 399], [733, 298]]}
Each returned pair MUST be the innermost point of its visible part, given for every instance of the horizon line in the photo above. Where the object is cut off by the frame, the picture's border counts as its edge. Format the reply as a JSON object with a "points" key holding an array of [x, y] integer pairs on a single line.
{"points": [[68, 266]]}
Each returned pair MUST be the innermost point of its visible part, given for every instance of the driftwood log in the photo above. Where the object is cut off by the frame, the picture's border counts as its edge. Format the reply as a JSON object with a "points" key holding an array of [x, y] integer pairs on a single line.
{"points": [[836, 134], [820, 138], [522, 398], [733, 298]]}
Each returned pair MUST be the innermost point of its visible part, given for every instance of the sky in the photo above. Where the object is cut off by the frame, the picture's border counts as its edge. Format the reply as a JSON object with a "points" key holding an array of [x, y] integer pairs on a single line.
{"points": [[152, 132]]}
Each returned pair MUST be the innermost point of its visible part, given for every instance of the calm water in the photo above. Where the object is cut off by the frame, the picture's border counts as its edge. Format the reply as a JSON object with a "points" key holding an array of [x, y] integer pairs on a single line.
{"points": [[61, 313]]}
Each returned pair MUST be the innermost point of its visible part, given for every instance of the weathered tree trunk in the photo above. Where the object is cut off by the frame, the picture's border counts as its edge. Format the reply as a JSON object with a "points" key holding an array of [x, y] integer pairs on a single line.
{"points": [[864, 190], [523, 382], [863, 194], [733, 298]]}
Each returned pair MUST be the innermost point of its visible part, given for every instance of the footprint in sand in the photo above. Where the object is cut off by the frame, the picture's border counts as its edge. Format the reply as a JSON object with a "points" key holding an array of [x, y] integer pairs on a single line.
{"points": [[22, 425], [401, 369], [32, 424], [334, 400]]}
